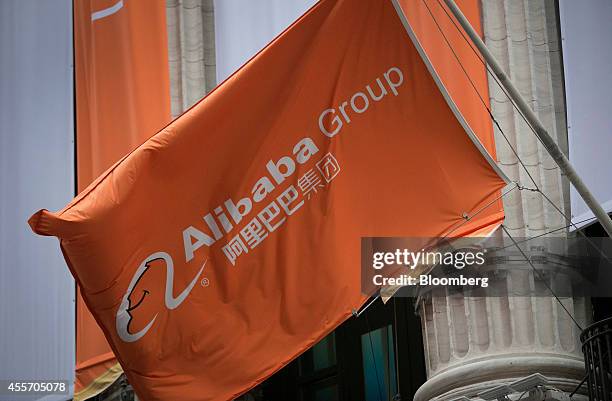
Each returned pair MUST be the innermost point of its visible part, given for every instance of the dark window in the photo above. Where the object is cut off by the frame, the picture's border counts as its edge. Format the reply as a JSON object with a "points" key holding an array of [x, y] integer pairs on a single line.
{"points": [[378, 356], [362, 360], [318, 371]]}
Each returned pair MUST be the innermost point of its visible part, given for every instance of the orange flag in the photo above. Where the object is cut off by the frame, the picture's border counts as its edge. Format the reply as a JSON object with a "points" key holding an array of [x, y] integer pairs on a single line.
{"points": [[444, 41], [228, 243], [123, 96]]}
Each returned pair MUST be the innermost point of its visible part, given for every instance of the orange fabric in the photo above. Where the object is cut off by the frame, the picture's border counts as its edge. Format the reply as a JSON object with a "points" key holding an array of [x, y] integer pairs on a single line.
{"points": [[228, 243], [444, 43], [419, 13], [123, 95]]}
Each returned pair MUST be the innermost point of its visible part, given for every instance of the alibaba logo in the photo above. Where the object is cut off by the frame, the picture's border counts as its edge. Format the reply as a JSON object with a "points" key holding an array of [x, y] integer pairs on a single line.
{"points": [[124, 313]]}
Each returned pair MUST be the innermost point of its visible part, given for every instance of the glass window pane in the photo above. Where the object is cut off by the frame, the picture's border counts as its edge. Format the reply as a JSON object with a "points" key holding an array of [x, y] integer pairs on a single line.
{"points": [[321, 356], [321, 392], [378, 354]]}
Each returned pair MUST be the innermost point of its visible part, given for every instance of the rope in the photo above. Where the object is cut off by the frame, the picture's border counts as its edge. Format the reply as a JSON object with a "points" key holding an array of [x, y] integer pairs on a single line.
{"points": [[517, 185], [475, 51], [467, 218], [484, 103], [542, 278], [547, 233], [514, 151], [478, 56]]}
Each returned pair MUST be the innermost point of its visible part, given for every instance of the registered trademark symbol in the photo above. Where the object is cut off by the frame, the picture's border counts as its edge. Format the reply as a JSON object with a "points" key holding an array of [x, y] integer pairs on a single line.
{"points": [[205, 282]]}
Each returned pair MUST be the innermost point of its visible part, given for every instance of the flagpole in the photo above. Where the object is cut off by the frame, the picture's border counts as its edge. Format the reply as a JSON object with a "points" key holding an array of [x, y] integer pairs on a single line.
{"points": [[549, 144]]}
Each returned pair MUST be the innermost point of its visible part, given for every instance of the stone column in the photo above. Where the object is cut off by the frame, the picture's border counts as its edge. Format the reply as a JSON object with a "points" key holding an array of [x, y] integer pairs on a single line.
{"points": [[477, 342], [191, 51], [501, 334]]}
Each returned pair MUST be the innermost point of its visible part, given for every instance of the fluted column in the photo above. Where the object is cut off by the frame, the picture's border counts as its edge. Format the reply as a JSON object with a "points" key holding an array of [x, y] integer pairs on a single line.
{"points": [[503, 333], [523, 36], [191, 51], [477, 342]]}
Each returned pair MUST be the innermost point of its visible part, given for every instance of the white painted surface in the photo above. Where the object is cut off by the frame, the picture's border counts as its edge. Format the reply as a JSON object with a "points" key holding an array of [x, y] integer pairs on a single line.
{"points": [[244, 27], [587, 56], [36, 171]]}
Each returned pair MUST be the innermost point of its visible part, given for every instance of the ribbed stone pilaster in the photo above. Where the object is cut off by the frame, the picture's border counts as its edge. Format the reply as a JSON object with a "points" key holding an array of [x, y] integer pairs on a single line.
{"points": [[502, 333], [191, 51], [478, 342]]}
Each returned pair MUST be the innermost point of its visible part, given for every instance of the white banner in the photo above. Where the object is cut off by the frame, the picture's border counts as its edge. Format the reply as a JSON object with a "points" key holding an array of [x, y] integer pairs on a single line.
{"points": [[587, 56]]}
